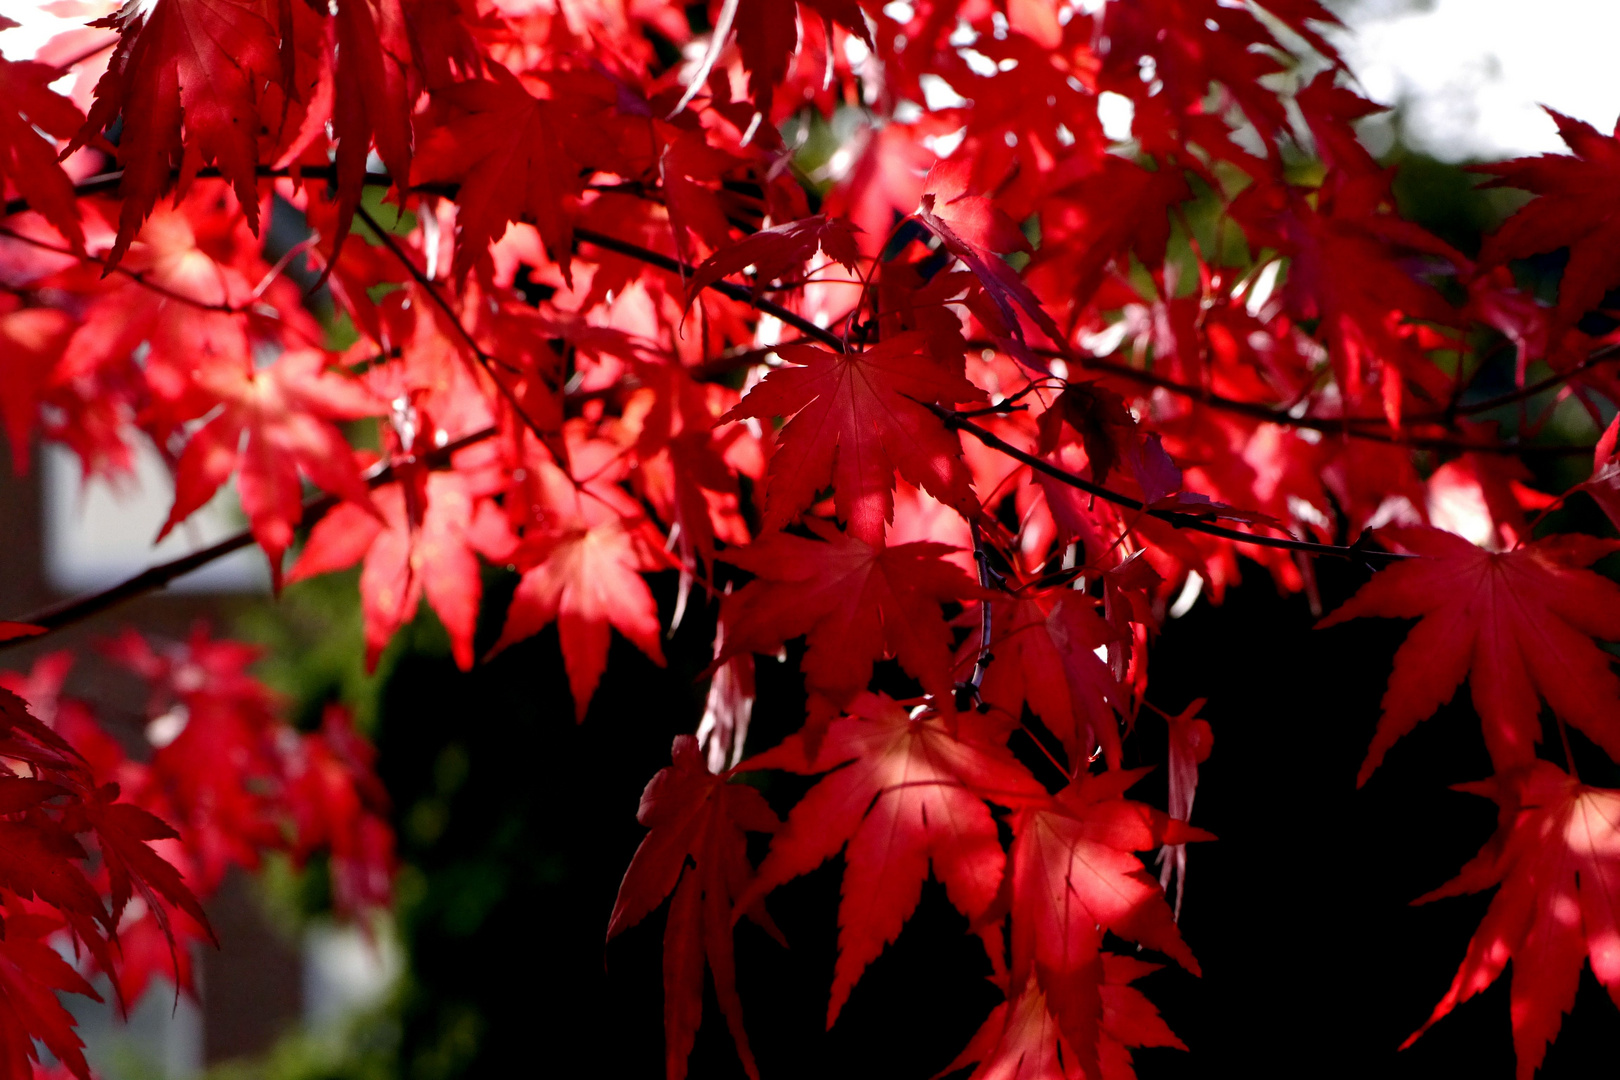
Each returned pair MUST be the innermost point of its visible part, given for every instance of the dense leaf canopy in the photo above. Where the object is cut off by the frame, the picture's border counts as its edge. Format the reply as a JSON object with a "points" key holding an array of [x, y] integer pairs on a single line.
{"points": [[851, 315]]}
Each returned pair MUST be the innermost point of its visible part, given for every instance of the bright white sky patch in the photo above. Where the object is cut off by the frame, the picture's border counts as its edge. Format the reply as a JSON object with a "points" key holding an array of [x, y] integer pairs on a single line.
{"points": [[1473, 73]]}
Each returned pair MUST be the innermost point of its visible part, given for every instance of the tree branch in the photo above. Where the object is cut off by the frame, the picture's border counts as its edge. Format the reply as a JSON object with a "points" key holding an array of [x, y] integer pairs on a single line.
{"points": [[59, 616], [740, 293], [1350, 427], [137, 276], [1597, 356], [1365, 428], [967, 694], [1178, 519]]}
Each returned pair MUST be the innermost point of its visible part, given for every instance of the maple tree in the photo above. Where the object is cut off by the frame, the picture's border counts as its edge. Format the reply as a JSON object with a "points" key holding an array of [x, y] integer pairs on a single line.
{"points": [[953, 410]]}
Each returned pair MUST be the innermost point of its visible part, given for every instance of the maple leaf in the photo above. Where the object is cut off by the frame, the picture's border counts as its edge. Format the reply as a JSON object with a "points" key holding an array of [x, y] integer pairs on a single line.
{"points": [[338, 805], [413, 547], [371, 97], [1191, 741], [31, 974], [910, 792], [185, 76], [275, 423], [582, 569], [1556, 856], [1575, 208], [773, 252], [1516, 624], [695, 817], [975, 231], [854, 603], [857, 419], [215, 766], [1073, 876], [30, 112], [1020, 1039], [505, 148], [1045, 656], [1099, 416], [123, 833], [767, 34]]}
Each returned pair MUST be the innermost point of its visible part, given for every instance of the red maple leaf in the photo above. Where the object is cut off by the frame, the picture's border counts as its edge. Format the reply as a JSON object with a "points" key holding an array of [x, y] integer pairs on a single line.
{"points": [[1556, 856], [773, 252], [698, 818], [1020, 1039], [275, 423], [505, 147], [855, 603], [1044, 648], [1190, 740], [33, 338], [857, 419], [767, 34], [582, 567], [974, 230], [31, 975], [911, 791], [423, 546], [29, 112], [1516, 624], [186, 78], [338, 805], [1576, 208], [1073, 876], [371, 98]]}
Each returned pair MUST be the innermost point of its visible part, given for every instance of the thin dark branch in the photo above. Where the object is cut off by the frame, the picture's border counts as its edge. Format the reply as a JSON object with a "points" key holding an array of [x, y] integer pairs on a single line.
{"points": [[109, 181], [59, 616], [725, 288], [968, 693], [1597, 356], [1366, 428], [137, 276], [1178, 519], [1369, 429]]}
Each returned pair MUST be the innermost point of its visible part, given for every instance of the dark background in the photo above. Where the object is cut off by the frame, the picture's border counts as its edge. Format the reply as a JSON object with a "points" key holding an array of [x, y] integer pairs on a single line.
{"points": [[1313, 958], [517, 826]]}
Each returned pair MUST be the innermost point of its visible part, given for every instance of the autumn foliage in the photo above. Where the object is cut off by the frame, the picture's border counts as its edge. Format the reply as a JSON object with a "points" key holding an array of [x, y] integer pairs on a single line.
{"points": [[854, 317]]}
